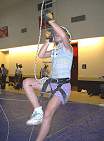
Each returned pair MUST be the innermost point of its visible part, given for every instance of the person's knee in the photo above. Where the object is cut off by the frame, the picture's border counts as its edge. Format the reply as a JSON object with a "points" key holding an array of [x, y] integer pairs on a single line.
{"points": [[25, 82]]}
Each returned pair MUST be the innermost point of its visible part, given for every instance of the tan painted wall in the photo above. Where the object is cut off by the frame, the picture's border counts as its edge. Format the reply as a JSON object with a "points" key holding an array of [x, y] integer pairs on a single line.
{"points": [[91, 53], [26, 56], [25, 15]]}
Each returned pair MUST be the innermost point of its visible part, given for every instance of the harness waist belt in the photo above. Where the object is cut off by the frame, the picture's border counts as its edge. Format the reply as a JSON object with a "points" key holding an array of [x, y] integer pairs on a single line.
{"points": [[60, 80]]}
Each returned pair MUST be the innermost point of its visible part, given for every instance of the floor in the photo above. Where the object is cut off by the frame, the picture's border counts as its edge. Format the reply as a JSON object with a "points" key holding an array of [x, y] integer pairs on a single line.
{"points": [[75, 96], [81, 119]]}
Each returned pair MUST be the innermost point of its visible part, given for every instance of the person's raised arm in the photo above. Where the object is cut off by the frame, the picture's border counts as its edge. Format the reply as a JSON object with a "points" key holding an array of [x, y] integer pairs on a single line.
{"points": [[58, 29], [61, 33], [43, 53]]}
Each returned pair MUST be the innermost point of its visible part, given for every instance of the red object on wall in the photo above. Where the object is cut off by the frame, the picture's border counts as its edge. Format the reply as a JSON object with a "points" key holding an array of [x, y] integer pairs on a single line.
{"points": [[75, 51], [3, 31]]}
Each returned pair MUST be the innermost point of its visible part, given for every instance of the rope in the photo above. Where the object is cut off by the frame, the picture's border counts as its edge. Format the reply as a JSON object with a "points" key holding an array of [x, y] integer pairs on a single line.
{"points": [[39, 38], [40, 31], [43, 7], [8, 127], [6, 120], [31, 133]]}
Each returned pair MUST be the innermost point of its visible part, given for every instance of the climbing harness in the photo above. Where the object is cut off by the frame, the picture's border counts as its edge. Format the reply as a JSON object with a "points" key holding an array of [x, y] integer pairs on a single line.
{"points": [[59, 83]]}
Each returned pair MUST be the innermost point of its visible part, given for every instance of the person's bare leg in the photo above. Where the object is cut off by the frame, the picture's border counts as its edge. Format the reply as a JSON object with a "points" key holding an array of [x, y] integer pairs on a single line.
{"points": [[52, 106], [29, 85]]}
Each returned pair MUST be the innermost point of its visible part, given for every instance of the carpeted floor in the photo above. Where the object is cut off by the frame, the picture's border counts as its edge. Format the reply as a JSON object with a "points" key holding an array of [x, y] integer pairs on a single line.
{"points": [[73, 122]]}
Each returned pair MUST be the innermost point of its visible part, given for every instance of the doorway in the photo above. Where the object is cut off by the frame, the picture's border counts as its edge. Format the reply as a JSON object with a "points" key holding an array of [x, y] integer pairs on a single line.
{"points": [[74, 71]]}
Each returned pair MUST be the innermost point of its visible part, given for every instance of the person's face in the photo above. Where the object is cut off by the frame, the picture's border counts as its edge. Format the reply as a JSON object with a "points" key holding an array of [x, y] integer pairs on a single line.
{"points": [[57, 38]]}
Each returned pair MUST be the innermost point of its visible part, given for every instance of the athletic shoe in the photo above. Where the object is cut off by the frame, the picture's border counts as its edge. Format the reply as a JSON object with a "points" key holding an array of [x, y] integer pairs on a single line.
{"points": [[36, 118]]}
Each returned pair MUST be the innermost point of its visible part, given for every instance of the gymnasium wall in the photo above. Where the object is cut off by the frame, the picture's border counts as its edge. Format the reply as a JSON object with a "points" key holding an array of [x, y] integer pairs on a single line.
{"points": [[91, 53], [4, 58], [25, 55], [24, 14], [18, 16], [92, 9]]}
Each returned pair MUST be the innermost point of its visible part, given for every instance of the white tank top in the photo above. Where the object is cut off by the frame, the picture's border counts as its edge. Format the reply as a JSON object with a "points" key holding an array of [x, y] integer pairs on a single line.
{"points": [[61, 62]]}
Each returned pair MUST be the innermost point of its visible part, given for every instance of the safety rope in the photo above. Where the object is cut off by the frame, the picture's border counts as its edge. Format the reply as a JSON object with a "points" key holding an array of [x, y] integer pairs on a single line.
{"points": [[40, 32], [39, 38], [7, 136]]}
